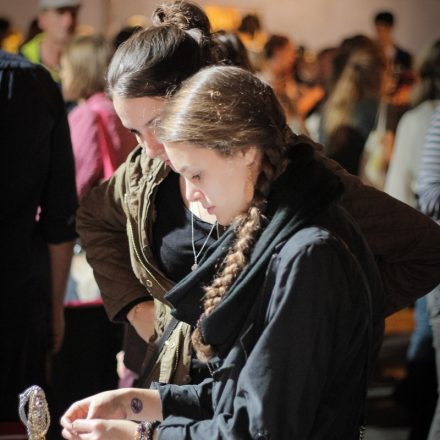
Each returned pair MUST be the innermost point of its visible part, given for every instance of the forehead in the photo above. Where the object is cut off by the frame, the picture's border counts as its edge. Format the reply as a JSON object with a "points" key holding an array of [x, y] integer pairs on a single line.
{"points": [[137, 111], [187, 157]]}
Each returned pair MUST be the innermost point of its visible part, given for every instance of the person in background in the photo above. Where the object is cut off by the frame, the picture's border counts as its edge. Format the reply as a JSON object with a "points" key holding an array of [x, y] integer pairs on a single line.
{"points": [[231, 50], [100, 142], [351, 110], [86, 362], [324, 68], [429, 203], [402, 177], [254, 38], [57, 21], [399, 59], [279, 59], [416, 391], [37, 225]]}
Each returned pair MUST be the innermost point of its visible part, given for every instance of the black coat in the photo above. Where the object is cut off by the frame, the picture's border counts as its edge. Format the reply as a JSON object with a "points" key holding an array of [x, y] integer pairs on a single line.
{"points": [[297, 332]]}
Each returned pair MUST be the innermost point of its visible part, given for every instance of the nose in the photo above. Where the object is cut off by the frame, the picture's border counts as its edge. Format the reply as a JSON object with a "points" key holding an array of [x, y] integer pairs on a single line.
{"points": [[152, 146], [192, 193]]}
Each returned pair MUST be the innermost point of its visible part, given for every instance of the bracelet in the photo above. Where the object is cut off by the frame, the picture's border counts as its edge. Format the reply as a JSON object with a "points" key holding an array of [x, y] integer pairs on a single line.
{"points": [[145, 430], [151, 426], [141, 431]]}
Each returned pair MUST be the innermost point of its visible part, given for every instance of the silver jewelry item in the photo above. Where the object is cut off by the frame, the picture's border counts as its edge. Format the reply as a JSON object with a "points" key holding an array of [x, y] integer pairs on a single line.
{"points": [[197, 254], [37, 420]]}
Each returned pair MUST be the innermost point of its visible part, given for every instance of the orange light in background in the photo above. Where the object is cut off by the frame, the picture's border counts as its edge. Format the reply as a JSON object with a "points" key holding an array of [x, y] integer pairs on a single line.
{"points": [[138, 20], [223, 17]]}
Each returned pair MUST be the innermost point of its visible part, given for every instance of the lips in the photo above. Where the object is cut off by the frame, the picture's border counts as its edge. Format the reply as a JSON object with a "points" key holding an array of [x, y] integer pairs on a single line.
{"points": [[210, 209]]}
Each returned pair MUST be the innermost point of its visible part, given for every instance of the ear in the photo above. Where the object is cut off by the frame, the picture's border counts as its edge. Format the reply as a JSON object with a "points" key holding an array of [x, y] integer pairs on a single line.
{"points": [[250, 155]]}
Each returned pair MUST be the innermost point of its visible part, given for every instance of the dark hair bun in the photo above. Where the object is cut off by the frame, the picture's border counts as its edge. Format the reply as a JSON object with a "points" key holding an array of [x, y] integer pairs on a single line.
{"points": [[184, 15]]}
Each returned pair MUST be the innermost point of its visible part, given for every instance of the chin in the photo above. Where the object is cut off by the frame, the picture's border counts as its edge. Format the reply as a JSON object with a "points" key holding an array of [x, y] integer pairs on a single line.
{"points": [[226, 220]]}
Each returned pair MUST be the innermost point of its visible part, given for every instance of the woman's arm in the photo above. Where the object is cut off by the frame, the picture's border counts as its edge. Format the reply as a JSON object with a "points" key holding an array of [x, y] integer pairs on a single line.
{"points": [[106, 415], [102, 223], [404, 242]]}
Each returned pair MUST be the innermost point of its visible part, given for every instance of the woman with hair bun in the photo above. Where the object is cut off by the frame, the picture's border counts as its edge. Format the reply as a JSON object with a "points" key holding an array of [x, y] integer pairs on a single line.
{"points": [[139, 236], [143, 235]]}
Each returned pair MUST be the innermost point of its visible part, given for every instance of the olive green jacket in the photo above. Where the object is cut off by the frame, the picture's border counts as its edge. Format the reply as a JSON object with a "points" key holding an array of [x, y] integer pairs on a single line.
{"points": [[115, 224]]}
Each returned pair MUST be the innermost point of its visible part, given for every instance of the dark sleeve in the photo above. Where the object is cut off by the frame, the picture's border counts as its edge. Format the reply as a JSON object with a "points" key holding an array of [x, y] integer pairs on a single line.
{"points": [[404, 242], [102, 225], [429, 175], [310, 317], [345, 147], [59, 200], [192, 402]]}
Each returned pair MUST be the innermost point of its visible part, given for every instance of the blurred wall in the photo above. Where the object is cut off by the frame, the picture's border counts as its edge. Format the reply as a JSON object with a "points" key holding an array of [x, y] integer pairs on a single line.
{"points": [[22, 12], [314, 23]]}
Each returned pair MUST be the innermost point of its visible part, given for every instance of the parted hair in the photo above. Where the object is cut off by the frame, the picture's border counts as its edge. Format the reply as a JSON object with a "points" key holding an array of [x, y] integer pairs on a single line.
{"points": [[227, 109], [87, 59], [154, 61], [362, 77]]}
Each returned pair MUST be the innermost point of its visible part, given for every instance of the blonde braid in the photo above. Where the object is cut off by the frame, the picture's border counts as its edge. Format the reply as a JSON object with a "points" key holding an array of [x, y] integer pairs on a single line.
{"points": [[249, 228]]}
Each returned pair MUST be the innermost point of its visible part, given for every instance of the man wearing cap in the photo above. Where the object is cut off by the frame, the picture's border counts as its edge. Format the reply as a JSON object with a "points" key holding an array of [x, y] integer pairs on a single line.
{"points": [[57, 20]]}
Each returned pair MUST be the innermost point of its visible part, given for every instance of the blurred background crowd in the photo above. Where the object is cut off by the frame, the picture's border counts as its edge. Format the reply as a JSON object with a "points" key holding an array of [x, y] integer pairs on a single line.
{"points": [[368, 98]]}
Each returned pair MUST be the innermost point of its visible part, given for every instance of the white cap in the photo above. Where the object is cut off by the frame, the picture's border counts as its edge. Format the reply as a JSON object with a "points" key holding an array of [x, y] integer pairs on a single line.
{"points": [[55, 4]]}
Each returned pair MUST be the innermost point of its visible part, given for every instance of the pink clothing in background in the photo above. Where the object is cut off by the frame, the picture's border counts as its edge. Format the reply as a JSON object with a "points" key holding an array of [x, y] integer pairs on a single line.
{"points": [[95, 127]]}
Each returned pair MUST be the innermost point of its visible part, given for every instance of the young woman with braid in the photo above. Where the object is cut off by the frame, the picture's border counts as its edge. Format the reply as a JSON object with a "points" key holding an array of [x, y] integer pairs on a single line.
{"points": [[142, 234], [288, 307]]}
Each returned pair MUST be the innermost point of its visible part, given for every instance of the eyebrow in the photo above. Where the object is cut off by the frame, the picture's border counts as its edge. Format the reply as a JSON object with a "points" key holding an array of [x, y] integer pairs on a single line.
{"points": [[153, 119], [133, 130]]}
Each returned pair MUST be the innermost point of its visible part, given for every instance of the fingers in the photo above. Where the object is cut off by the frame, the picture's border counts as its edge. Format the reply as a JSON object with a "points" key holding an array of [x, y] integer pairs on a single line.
{"points": [[72, 435], [79, 429], [78, 410]]}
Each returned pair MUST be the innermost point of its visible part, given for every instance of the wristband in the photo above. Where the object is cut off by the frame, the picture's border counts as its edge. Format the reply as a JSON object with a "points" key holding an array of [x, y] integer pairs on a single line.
{"points": [[151, 426], [141, 431]]}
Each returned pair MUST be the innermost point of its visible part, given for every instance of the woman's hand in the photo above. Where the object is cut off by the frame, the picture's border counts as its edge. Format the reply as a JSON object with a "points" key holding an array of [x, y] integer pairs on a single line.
{"points": [[141, 317], [106, 405], [131, 403], [99, 429]]}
